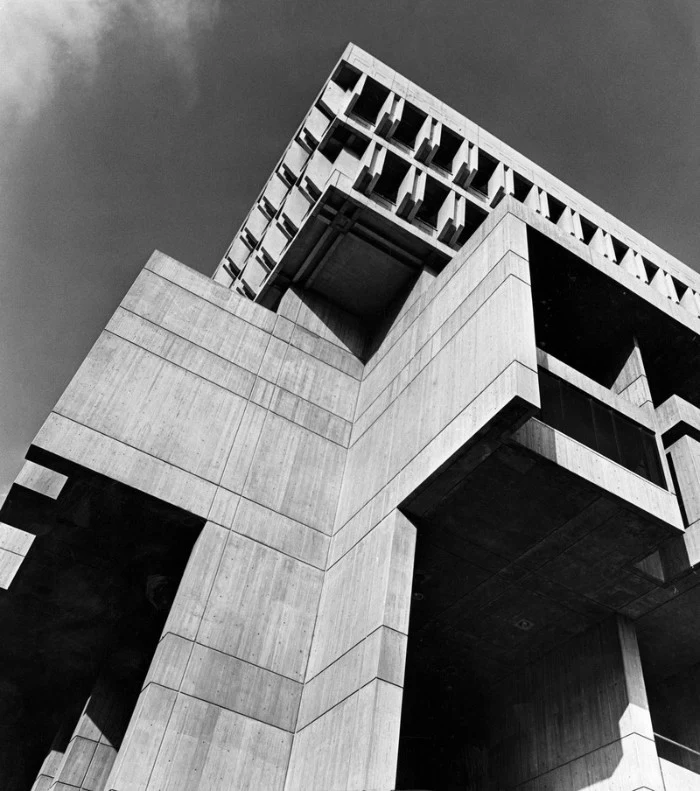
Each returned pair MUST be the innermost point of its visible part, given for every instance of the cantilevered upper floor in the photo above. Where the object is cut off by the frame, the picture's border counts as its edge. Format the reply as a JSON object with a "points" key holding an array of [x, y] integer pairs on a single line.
{"points": [[381, 179]]}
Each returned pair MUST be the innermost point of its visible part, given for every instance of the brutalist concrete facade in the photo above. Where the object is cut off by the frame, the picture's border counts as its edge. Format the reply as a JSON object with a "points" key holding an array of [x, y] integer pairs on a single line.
{"points": [[406, 496]]}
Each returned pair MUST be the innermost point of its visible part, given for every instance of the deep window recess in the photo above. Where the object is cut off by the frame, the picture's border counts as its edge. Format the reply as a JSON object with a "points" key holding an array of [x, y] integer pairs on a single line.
{"points": [[592, 423], [409, 125], [370, 101]]}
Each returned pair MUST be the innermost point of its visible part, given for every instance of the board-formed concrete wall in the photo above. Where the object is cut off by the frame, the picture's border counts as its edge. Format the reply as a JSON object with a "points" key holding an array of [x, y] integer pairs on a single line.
{"points": [[281, 662], [578, 718], [460, 351], [241, 416]]}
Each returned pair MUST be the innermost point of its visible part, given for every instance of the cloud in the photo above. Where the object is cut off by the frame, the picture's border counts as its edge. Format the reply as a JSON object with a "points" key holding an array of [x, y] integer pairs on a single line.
{"points": [[41, 39]]}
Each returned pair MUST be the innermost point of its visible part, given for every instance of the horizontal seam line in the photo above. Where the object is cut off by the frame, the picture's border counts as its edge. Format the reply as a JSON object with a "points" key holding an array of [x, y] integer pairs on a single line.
{"points": [[457, 330], [267, 508], [353, 647], [269, 546], [320, 337], [432, 439], [342, 700], [181, 367], [133, 447], [321, 360], [583, 755], [246, 396], [428, 304], [232, 656], [236, 365], [218, 706], [209, 301]]}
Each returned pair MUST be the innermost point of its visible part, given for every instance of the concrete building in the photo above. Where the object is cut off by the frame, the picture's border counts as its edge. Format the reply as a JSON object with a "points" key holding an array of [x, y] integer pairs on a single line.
{"points": [[406, 496]]}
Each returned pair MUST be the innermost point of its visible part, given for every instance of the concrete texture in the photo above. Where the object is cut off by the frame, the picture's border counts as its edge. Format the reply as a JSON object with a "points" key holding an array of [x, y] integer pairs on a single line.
{"points": [[305, 525]]}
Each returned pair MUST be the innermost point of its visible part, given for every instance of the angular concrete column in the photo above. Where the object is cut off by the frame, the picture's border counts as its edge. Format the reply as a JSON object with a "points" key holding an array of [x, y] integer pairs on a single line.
{"points": [[663, 283], [428, 140], [685, 457], [578, 719], [691, 302], [370, 168], [632, 382], [570, 222], [451, 218], [348, 728], [632, 264], [500, 184], [94, 743], [602, 244], [465, 164], [411, 193], [675, 708], [390, 115]]}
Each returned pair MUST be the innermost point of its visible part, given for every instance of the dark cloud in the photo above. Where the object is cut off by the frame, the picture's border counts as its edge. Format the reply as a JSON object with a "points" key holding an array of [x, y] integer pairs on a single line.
{"points": [[159, 132]]}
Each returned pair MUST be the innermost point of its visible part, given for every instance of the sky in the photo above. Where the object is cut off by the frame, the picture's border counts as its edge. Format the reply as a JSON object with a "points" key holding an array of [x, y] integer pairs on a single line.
{"points": [[133, 125]]}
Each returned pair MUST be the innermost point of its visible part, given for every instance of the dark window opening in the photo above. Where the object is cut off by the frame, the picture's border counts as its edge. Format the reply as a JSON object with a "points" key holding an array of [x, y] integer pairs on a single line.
{"points": [[681, 288], [370, 101], [598, 426], [435, 194], [619, 247], [407, 130], [556, 209], [650, 269], [346, 77], [395, 169], [588, 230], [487, 165], [473, 218], [344, 138], [521, 187], [449, 145]]}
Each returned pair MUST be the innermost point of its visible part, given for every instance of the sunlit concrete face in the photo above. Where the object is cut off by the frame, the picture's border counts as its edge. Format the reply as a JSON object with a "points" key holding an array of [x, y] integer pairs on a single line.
{"points": [[405, 496]]}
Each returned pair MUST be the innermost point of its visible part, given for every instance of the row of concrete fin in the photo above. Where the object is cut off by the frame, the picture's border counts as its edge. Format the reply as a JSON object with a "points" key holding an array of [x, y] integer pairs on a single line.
{"points": [[303, 172]]}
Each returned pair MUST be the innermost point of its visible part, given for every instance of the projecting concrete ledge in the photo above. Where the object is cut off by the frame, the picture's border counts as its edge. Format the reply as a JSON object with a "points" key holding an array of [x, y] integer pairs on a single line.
{"points": [[637, 492]]}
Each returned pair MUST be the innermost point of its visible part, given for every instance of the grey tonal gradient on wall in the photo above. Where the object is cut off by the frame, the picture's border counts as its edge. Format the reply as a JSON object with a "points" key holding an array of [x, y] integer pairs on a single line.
{"points": [[405, 496]]}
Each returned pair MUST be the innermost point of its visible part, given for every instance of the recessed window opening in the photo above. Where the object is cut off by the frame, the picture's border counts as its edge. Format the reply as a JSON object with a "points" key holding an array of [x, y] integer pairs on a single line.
{"points": [[344, 138], [556, 209], [521, 187], [681, 288], [649, 268], [306, 140], [449, 145], [287, 176], [346, 77], [620, 248], [395, 169], [409, 125], [370, 101], [267, 208], [266, 261], [435, 194], [312, 190], [474, 216], [248, 239], [287, 226], [588, 230], [487, 165], [599, 427]]}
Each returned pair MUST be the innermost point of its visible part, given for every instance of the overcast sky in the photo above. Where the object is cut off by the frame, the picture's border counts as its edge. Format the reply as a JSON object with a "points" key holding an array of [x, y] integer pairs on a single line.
{"points": [[129, 125]]}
